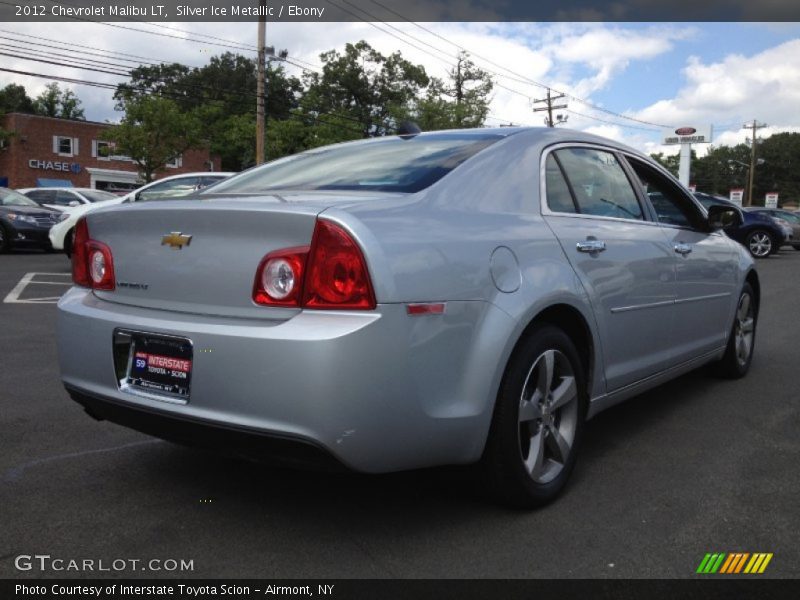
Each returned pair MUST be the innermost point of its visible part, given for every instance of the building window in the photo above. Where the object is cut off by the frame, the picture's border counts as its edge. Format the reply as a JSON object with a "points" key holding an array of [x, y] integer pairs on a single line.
{"points": [[65, 146], [175, 163], [103, 150]]}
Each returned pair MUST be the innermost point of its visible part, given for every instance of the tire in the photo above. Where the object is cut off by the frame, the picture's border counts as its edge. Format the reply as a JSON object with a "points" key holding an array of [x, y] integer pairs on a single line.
{"points": [[796, 246], [5, 239], [739, 352], [68, 242], [534, 438], [760, 243]]}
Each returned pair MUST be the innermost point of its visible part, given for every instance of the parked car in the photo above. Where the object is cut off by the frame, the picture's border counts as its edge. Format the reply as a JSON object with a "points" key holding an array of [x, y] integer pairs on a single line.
{"points": [[407, 301], [23, 223], [793, 220], [174, 186], [760, 234], [61, 198]]}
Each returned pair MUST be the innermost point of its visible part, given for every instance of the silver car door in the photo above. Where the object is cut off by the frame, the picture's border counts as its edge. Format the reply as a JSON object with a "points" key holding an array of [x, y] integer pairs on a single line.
{"points": [[705, 280], [621, 258]]}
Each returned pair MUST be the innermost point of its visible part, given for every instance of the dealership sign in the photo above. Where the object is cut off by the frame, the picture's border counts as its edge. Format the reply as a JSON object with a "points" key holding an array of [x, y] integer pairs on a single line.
{"points": [[700, 134], [771, 200], [737, 196], [49, 165]]}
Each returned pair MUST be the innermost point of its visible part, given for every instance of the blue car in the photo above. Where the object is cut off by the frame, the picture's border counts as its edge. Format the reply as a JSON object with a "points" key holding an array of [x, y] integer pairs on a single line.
{"points": [[757, 232]]}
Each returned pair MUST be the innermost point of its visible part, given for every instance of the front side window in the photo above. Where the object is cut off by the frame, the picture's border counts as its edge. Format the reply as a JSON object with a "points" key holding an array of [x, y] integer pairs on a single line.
{"points": [[599, 183], [65, 198]]}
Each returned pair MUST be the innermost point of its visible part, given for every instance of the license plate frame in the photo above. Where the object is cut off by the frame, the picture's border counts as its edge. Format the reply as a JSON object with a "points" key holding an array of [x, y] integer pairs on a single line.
{"points": [[158, 365]]}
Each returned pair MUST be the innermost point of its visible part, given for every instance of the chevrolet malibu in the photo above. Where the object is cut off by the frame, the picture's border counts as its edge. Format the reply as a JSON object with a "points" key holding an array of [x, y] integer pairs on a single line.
{"points": [[403, 302]]}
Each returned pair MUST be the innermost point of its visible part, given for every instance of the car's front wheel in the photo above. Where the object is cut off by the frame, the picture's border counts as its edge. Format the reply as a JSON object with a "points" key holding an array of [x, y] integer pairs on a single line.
{"points": [[739, 352], [538, 420], [760, 243]]}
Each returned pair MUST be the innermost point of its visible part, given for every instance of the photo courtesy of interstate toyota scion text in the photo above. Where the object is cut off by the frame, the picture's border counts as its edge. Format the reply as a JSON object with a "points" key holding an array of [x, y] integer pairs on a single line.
{"points": [[445, 298]]}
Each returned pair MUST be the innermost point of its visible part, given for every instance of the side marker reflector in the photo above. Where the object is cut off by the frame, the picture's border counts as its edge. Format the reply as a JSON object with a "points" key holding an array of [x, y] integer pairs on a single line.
{"points": [[428, 308]]}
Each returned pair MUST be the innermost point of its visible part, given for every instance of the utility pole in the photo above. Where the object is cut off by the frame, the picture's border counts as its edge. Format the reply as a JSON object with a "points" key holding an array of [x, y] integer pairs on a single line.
{"points": [[550, 107], [755, 125], [260, 103], [265, 53]]}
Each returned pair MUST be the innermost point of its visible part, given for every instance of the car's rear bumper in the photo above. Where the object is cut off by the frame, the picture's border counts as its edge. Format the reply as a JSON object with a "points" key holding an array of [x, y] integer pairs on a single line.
{"points": [[230, 440], [379, 390]]}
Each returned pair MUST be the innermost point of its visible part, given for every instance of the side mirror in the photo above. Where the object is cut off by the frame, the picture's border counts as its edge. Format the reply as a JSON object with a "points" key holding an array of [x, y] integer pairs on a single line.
{"points": [[137, 196], [720, 216], [74, 203]]}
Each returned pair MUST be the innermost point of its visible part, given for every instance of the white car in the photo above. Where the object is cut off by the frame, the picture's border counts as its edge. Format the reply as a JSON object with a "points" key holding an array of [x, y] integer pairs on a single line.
{"points": [[175, 186], [62, 198]]}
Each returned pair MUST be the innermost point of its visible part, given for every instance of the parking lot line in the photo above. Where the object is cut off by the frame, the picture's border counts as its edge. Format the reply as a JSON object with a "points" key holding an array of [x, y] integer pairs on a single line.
{"points": [[13, 296]]}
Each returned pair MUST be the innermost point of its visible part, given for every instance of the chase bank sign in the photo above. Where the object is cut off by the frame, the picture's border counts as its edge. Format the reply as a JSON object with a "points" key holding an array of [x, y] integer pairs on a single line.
{"points": [[49, 165]]}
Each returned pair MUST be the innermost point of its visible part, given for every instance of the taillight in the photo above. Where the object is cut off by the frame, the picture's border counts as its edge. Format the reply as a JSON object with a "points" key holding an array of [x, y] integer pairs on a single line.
{"points": [[279, 278], [330, 274], [80, 264], [92, 262]]}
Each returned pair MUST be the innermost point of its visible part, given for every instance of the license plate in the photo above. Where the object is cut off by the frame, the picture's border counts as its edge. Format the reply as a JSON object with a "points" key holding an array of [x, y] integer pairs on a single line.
{"points": [[162, 365]]}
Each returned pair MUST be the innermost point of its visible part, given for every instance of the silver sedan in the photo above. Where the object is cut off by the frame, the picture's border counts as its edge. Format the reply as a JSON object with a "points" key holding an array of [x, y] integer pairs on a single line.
{"points": [[403, 302]]}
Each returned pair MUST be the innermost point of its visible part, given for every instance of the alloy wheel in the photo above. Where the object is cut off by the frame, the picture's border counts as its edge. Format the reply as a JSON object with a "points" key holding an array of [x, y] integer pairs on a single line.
{"points": [[548, 416], [744, 328], [760, 244]]}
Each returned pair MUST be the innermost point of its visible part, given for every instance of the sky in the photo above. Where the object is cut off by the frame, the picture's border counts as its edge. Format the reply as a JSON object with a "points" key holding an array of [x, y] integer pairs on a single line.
{"points": [[624, 80]]}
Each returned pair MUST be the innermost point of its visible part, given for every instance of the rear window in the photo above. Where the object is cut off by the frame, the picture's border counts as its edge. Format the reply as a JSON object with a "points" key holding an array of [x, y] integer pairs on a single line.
{"points": [[390, 164]]}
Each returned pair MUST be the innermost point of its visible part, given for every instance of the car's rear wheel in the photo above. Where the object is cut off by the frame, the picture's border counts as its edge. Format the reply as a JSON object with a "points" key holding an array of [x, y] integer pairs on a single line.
{"points": [[5, 239], [739, 352], [538, 420], [760, 243]]}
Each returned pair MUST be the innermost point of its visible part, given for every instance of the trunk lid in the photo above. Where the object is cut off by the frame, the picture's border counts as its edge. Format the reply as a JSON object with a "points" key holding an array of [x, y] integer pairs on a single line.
{"points": [[157, 265]]}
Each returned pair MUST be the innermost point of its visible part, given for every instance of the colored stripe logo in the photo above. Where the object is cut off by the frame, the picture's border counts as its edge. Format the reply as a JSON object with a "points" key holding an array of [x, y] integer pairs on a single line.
{"points": [[733, 563]]}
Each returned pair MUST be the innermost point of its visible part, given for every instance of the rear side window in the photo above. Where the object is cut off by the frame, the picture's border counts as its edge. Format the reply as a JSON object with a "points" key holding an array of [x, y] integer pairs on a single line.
{"points": [[559, 198], [672, 206], [599, 183]]}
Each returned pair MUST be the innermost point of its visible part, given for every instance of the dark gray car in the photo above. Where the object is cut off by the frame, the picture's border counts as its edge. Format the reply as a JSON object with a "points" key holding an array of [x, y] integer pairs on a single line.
{"points": [[23, 223]]}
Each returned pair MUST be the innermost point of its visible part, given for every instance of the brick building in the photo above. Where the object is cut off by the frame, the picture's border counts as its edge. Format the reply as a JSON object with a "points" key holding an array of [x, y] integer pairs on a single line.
{"points": [[44, 151]]}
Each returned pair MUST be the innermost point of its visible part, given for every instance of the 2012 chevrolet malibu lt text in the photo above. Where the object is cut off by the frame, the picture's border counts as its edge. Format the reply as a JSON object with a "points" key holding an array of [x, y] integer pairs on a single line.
{"points": [[402, 302]]}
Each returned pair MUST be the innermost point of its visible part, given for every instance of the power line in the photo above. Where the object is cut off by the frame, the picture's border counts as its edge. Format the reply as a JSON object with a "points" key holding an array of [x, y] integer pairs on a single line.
{"points": [[525, 78]]}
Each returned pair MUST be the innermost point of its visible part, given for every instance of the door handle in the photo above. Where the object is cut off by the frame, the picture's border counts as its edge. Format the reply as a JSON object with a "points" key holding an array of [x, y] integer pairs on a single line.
{"points": [[682, 248], [591, 246]]}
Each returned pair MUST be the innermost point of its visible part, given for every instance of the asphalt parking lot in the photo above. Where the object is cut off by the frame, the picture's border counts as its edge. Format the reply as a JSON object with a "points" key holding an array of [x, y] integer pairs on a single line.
{"points": [[699, 465]]}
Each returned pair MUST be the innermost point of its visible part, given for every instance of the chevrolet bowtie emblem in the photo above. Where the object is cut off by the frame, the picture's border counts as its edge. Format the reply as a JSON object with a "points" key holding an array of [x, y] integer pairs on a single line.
{"points": [[176, 239]]}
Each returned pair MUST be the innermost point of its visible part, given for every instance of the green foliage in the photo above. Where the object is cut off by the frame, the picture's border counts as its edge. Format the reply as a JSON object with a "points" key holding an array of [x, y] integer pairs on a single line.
{"points": [[154, 132], [55, 102], [361, 86], [722, 169], [14, 98], [461, 101]]}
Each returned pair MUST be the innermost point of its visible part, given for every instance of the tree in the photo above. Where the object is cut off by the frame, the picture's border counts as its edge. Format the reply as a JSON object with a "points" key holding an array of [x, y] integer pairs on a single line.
{"points": [[14, 98], [55, 102], [461, 101], [361, 86], [153, 132], [223, 95]]}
